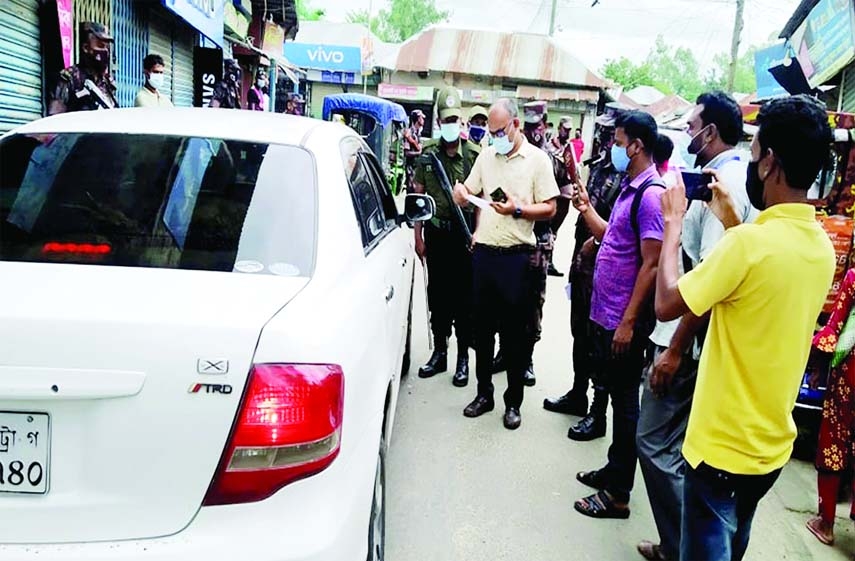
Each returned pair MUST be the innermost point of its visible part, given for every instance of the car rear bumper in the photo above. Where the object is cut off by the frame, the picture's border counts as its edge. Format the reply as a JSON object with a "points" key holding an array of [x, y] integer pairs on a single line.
{"points": [[322, 518]]}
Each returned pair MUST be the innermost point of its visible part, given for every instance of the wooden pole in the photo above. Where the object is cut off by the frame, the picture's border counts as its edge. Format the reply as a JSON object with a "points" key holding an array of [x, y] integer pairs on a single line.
{"points": [[738, 24]]}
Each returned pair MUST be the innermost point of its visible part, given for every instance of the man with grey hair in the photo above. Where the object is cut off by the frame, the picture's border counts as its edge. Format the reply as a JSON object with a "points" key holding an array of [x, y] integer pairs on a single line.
{"points": [[518, 179]]}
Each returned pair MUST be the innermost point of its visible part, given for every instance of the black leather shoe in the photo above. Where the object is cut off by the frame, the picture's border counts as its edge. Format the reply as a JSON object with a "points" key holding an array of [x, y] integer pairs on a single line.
{"points": [[479, 406], [528, 377], [498, 363], [461, 374], [589, 428], [553, 272], [436, 364], [512, 418], [570, 403]]}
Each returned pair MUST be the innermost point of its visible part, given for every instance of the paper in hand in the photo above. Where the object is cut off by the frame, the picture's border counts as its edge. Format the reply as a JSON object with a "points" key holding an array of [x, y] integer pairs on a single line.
{"points": [[478, 201]]}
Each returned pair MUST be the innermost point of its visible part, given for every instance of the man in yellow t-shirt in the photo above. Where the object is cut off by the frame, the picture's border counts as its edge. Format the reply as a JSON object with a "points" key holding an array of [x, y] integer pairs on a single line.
{"points": [[765, 284], [518, 178], [150, 95]]}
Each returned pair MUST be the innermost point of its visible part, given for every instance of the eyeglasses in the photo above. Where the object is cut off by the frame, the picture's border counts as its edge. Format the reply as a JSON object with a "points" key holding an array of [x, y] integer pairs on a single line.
{"points": [[500, 133]]}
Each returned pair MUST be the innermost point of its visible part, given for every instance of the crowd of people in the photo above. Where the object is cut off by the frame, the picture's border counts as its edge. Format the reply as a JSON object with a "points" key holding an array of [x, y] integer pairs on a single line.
{"points": [[89, 84], [677, 306]]}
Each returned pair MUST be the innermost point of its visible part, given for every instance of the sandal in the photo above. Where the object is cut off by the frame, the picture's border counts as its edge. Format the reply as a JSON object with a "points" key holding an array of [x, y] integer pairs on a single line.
{"points": [[815, 526], [600, 505], [651, 551], [595, 479]]}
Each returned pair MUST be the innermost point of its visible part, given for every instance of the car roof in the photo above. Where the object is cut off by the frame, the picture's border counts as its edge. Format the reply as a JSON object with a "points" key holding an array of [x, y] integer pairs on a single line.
{"points": [[232, 124]]}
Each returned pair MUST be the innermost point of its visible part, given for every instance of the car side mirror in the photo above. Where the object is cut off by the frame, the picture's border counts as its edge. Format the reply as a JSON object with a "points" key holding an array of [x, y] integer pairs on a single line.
{"points": [[418, 208]]}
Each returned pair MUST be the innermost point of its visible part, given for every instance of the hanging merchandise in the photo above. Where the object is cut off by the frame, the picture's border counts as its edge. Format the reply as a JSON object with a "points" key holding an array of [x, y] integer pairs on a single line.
{"points": [[21, 63]]}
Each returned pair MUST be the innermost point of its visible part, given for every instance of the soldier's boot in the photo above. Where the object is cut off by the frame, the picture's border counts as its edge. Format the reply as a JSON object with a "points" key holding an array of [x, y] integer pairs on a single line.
{"points": [[461, 373], [438, 361], [498, 362], [552, 271], [528, 376]]}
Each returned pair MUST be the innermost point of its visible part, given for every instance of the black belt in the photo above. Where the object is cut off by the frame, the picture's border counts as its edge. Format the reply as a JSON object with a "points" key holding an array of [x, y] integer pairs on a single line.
{"points": [[495, 250]]}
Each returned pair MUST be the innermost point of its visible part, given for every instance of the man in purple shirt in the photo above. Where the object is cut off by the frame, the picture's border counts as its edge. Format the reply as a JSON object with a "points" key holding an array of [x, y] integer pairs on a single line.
{"points": [[621, 306]]}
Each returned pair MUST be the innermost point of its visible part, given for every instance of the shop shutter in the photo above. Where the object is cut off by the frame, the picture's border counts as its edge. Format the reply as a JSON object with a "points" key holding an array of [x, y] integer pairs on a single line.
{"points": [[160, 43], [848, 105], [130, 31], [20, 63], [182, 49]]}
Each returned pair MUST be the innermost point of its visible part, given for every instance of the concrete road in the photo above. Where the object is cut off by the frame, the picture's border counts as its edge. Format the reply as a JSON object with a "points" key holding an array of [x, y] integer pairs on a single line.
{"points": [[468, 490]]}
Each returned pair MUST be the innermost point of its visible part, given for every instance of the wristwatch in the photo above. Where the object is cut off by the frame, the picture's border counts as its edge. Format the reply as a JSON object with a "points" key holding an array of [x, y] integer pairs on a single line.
{"points": [[518, 212]]}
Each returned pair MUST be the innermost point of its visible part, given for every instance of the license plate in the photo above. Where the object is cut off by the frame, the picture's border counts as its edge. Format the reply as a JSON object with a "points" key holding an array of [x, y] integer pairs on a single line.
{"points": [[24, 452]]}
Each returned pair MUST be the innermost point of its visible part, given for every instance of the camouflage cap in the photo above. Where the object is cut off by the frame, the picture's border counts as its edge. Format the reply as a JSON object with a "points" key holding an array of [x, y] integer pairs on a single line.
{"points": [[566, 122], [448, 103], [535, 112], [476, 111], [99, 30], [610, 113]]}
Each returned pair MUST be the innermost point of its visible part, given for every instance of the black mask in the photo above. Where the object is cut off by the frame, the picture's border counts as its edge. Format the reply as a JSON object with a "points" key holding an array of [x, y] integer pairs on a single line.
{"points": [[99, 59], [754, 186]]}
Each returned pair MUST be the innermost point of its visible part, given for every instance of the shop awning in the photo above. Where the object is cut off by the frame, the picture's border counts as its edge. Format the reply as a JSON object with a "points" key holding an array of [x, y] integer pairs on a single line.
{"points": [[289, 69], [556, 94]]}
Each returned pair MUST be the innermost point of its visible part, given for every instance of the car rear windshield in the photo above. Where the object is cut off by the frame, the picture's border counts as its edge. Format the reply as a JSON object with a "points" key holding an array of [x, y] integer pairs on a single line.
{"points": [[157, 201]]}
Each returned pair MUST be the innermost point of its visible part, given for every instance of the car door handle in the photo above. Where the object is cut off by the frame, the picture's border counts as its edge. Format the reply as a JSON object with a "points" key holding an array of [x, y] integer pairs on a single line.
{"points": [[390, 293]]}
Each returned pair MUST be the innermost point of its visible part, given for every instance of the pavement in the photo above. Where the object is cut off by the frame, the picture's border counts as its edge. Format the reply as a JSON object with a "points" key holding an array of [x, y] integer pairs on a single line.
{"points": [[463, 489]]}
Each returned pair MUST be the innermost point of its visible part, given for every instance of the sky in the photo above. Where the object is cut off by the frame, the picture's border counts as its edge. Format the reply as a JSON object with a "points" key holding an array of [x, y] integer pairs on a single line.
{"points": [[613, 28]]}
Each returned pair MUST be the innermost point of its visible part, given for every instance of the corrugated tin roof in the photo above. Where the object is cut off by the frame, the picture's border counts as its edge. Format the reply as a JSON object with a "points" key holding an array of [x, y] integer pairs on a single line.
{"points": [[797, 18], [516, 56]]}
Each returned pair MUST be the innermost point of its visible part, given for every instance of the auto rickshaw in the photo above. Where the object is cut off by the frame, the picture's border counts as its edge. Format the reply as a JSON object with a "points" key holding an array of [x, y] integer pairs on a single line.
{"points": [[380, 122]]}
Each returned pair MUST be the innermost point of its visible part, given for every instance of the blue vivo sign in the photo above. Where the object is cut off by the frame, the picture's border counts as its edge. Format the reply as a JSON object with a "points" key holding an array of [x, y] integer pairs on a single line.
{"points": [[206, 16], [324, 57]]}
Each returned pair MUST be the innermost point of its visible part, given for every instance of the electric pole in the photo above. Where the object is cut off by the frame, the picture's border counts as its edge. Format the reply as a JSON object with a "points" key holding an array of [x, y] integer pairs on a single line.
{"points": [[738, 24], [552, 18]]}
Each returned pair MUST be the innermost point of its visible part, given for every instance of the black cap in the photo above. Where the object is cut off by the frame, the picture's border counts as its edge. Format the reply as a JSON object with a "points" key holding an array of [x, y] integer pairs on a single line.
{"points": [[99, 30]]}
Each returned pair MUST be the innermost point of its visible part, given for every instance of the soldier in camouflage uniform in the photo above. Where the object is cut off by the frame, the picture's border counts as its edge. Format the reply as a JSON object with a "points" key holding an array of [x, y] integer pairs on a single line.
{"points": [[87, 85], [442, 241], [603, 187], [227, 90]]}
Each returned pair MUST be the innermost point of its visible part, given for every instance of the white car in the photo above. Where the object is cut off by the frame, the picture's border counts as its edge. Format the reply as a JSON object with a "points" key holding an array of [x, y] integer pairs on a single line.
{"points": [[203, 318]]}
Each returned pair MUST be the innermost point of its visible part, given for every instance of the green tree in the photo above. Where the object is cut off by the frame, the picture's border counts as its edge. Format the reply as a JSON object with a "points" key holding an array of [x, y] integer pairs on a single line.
{"points": [[676, 71], [305, 11], [745, 80], [402, 19], [627, 73]]}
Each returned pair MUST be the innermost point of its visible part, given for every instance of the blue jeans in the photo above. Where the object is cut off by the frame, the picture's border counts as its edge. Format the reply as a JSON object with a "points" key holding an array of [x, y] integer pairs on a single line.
{"points": [[718, 508]]}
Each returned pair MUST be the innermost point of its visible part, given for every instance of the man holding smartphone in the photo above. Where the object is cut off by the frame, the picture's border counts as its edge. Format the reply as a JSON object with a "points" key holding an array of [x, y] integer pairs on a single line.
{"points": [[624, 278], [715, 127], [519, 179]]}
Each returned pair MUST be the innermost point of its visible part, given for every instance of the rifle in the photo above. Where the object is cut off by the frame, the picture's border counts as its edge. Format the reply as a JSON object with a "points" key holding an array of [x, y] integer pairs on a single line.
{"points": [[445, 184], [99, 96]]}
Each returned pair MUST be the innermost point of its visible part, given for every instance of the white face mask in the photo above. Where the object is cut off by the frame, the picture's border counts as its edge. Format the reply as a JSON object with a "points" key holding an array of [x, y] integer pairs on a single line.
{"points": [[155, 80], [450, 132]]}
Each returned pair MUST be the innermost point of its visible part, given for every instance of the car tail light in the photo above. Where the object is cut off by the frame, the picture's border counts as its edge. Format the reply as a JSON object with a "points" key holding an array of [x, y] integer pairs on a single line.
{"points": [[76, 248], [288, 427]]}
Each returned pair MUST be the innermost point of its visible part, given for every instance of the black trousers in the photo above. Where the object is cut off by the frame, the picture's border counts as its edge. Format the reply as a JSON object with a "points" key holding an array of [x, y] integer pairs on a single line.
{"points": [[621, 377], [449, 265], [505, 302]]}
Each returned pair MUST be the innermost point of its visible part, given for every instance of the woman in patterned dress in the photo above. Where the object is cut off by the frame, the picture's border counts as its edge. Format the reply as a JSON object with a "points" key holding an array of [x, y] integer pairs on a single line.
{"points": [[836, 448]]}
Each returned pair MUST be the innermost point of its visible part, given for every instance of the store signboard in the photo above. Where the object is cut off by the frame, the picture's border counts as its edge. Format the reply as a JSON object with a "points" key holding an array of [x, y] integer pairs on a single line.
{"points": [[406, 93], [324, 57], [205, 16], [764, 59], [825, 42], [207, 71]]}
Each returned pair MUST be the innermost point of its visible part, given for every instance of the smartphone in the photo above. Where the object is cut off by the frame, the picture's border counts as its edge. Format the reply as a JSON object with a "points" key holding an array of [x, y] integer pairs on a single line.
{"points": [[499, 196], [697, 185]]}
